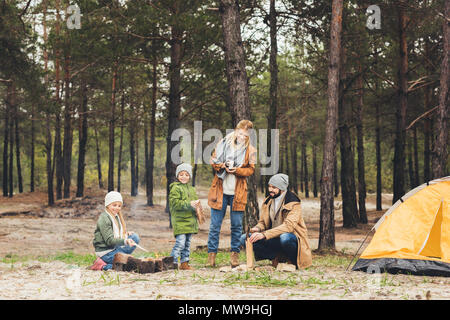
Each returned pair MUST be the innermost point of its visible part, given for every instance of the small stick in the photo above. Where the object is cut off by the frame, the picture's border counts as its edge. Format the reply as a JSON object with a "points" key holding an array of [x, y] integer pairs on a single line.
{"points": [[141, 248]]}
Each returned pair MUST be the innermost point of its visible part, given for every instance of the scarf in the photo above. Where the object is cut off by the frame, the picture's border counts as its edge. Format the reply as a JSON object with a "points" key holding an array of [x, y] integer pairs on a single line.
{"points": [[119, 230], [225, 151]]}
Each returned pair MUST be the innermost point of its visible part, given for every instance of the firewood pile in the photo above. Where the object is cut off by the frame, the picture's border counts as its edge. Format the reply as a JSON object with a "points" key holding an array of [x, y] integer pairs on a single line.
{"points": [[126, 262]]}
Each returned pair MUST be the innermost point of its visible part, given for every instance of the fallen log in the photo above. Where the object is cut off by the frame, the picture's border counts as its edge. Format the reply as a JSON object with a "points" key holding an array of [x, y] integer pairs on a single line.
{"points": [[128, 263]]}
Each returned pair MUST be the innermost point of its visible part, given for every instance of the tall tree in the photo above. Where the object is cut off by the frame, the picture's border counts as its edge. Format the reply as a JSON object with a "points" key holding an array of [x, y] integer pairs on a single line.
{"points": [[360, 148], [238, 88], [326, 235], [273, 90], [82, 138], [402, 94], [439, 156]]}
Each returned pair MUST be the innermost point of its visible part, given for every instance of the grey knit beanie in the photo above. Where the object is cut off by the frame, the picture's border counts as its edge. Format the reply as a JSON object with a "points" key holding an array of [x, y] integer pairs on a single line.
{"points": [[280, 181], [184, 167]]}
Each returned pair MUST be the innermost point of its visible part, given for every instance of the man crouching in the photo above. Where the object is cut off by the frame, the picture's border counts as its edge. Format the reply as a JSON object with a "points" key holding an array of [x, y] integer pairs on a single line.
{"points": [[281, 233]]}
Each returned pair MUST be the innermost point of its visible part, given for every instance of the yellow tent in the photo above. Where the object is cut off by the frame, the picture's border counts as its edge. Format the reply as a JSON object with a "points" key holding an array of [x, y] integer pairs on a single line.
{"points": [[413, 236]]}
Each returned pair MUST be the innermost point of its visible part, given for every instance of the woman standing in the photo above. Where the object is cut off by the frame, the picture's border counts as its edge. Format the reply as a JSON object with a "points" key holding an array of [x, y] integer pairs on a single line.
{"points": [[233, 160]]}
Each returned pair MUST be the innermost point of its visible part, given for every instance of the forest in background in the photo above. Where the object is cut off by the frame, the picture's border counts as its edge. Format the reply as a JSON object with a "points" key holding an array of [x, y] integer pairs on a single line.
{"points": [[96, 106]]}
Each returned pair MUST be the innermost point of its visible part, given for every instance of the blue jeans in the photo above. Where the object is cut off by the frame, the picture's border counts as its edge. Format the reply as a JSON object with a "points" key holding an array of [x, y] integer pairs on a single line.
{"points": [[109, 257], [216, 224], [182, 248], [286, 244]]}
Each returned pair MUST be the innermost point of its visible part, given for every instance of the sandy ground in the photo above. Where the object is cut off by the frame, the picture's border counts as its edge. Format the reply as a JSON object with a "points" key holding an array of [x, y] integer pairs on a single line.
{"points": [[29, 228]]}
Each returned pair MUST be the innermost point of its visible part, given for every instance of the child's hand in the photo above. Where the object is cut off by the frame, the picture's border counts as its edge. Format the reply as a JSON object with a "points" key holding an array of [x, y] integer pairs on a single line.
{"points": [[195, 203], [130, 242]]}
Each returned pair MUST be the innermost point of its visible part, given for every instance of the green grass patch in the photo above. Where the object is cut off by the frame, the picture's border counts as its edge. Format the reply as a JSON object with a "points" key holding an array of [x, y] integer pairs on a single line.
{"points": [[262, 278]]}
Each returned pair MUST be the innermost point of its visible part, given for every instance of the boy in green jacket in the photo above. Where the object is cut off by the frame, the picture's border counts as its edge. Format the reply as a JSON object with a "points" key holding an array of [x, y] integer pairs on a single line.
{"points": [[183, 202]]}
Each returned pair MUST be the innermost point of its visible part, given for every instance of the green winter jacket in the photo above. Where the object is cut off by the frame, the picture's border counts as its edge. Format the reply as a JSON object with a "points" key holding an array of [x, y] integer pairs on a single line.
{"points": [[183, 216], [104, 234]]}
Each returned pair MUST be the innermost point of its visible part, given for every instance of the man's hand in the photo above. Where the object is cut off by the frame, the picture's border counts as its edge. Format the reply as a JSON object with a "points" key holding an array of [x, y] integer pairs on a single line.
{"points": [[256, 237], [255, 229]]}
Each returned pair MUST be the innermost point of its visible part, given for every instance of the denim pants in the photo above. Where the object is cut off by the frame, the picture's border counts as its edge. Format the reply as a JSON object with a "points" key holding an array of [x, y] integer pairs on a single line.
{"points": [[286, 244], [182, 248], [109, 257], [216, 224]]}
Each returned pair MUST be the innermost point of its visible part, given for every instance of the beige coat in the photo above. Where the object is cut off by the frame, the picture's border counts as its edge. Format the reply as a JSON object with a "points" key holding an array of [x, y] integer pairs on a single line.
{"points": [[292, 222]]}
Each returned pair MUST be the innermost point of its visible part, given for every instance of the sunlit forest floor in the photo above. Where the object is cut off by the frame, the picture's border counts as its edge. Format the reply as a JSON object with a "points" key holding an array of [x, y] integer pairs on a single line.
{"points": [[44, 253]]}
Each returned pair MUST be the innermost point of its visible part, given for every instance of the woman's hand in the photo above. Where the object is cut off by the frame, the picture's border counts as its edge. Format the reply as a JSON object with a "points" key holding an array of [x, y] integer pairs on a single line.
{"points": [[233, 170]]}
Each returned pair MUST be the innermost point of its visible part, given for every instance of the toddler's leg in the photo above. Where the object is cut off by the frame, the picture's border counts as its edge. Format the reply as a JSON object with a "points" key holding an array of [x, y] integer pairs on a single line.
{"points": [[180, 241]]}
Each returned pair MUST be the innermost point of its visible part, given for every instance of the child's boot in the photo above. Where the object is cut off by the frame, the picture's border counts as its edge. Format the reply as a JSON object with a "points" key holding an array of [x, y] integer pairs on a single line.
{"points": [[212, 259], [185, 266]]}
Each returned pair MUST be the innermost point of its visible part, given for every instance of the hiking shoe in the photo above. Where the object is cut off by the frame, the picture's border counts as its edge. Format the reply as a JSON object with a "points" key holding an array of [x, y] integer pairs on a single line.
{"points": [[234, 259], [98, 264], [212, 259], [185, 266]]}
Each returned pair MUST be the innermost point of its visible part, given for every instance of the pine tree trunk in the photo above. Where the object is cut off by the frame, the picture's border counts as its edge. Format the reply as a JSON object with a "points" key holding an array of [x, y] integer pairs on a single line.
{"points": [[174, 103], [68, 131], [238, 89], [57, 154], [16, 128], [122, 124], [99, 161], [399, 149], [440, 153], [32, 152], [82, 138], [360, 148], [305, 163], [336, 176], [5, 145], [326, 234], [132, 131], [11, 145], [315, 189], [112, 127], [348, 185], [58, 159], [273, 91], [48, 134], [152, 134], [136, 182], [416, 158], [428, 93], [410, 166], [294, 183]]}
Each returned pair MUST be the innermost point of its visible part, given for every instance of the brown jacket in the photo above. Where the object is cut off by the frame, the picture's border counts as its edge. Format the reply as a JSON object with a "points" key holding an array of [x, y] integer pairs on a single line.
{"points": [[215, 196], [292, 223]]}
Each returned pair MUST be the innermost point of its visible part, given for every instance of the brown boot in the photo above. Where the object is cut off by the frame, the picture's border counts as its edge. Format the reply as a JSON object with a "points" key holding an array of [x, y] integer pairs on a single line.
{"points": [[185, 266], [212, 259], [275, 262], [234, 257]]}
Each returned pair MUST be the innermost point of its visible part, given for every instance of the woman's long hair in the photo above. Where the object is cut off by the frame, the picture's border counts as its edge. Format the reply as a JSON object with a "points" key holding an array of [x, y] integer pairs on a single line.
{"points": [[122, 222], [244, 125]]}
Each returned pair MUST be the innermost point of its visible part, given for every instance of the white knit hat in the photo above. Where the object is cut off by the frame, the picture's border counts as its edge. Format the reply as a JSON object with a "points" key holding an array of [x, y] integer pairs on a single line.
{"points": [[184, 167], [113, 196]]}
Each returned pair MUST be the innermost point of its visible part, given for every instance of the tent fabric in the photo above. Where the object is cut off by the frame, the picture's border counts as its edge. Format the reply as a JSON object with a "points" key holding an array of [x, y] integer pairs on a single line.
{"points": [[416, 231], [403, 266]]}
